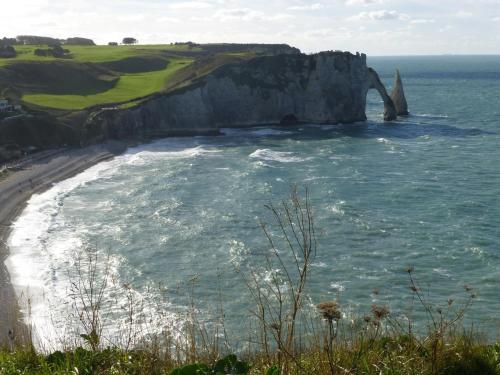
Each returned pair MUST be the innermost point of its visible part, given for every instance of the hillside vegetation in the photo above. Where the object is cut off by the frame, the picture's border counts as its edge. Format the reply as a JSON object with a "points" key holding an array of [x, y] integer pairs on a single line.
{"points": [[65, 85], [88, 76]]}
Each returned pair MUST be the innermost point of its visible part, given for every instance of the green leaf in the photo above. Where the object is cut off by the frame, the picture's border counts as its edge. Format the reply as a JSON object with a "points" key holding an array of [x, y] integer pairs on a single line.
{"points": [[196, 369], [56, 358], [231, 365], [273, 371]]}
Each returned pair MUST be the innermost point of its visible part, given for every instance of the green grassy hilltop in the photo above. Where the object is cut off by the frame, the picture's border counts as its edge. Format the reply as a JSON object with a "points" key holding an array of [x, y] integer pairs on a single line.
{"points": [[88, 76], [60, 87]]}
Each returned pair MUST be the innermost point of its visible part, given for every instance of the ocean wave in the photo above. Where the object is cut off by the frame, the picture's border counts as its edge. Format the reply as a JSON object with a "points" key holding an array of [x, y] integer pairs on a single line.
{"points": [[384, 141], [268, 131], [338, 286], [258, 132], [429, 115], [337, 208], [278, 156], [146, 157]]}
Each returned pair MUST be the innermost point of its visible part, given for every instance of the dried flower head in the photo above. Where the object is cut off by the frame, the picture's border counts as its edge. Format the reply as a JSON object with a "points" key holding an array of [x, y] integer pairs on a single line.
{"points": [[450, 301], [380, 312], [410, 269], [367, 319], [467, 288], [376, 291], [414, 288], [329, 310]]}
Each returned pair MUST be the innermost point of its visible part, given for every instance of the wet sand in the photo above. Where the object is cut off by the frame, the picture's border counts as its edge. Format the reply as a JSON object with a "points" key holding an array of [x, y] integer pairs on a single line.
{"points": [[35, 175]]}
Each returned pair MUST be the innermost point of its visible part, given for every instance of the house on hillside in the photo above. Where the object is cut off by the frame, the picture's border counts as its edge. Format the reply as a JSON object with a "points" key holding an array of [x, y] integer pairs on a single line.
{"points": [[5, 106]]}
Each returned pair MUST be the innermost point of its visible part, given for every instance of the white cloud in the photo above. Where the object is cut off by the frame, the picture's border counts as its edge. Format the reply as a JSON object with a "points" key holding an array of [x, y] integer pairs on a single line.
{"points": [[190, 5], [168, 20], [315, 6], [363, 2], [463, 14], [380, 15], [422, 21], [246, 14], [429, 27]]}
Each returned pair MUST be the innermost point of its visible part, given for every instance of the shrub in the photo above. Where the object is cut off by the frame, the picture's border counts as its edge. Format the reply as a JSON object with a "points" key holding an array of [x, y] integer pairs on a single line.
{"points": [[7, 52]]}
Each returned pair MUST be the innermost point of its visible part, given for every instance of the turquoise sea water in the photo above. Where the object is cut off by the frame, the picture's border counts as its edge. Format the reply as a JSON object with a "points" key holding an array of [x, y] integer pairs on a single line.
{"points": [[421, 192]]}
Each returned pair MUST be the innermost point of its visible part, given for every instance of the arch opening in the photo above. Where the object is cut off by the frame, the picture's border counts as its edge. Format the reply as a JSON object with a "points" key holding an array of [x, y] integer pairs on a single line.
{"points": [[390, 112]]}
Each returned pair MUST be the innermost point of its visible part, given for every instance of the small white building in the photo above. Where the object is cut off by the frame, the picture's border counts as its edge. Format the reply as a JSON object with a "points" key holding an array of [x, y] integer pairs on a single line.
{"points": [[5, 106]]}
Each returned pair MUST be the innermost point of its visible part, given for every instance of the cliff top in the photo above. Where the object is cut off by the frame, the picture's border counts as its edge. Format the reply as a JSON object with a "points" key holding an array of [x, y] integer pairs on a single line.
{"points": [[87, 76]]}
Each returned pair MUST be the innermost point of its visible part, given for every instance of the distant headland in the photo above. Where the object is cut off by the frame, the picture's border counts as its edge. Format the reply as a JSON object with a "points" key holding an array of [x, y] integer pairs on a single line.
{"points": [[71, 92]]}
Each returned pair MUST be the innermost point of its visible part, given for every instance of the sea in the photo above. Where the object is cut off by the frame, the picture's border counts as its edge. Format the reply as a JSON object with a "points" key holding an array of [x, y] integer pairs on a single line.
{"points": [[175, 225]]}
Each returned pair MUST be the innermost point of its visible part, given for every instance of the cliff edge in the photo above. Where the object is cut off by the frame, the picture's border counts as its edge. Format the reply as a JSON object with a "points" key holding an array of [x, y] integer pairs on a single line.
{"points": [[324, 88]]}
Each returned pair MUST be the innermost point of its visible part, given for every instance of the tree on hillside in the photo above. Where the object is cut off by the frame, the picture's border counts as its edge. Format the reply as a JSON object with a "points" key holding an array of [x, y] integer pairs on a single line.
{"points": [[112, 44], [7, 52], [8, 41], [77, 41], [129, 40], [38, 40]]}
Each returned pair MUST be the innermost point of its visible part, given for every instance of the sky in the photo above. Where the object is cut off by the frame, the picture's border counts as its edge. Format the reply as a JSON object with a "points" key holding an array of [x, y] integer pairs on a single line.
{"points": [[375, 27]]}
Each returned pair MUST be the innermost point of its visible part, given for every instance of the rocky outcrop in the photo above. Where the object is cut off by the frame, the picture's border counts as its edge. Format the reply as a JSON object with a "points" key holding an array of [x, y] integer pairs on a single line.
{"points": [[398, 96], [390, 112], [325, 88]]}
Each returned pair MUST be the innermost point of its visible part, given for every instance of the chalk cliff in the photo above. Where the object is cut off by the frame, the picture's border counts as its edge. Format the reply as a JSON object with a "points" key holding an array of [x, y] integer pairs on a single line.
{"points": [[398, 96], [325, 88]]}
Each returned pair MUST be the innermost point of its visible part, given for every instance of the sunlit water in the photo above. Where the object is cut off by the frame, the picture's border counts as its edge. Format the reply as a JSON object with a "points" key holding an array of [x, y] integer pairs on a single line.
{"points": [[421, 192]]}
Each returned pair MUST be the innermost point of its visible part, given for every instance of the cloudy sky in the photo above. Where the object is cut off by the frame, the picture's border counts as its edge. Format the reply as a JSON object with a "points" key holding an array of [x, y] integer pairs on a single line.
{"points": [[376, 27]]}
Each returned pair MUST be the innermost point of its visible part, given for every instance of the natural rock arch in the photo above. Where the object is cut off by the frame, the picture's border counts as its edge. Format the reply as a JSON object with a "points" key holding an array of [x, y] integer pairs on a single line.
{"points": [[374, 82]]}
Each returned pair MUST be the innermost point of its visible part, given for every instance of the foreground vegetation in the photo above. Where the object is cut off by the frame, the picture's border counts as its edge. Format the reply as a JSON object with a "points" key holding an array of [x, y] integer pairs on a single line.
{"points": [[387, 355], [288, 335]]}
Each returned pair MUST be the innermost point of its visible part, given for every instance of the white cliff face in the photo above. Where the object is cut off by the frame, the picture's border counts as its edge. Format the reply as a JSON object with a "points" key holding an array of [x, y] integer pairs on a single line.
{"points": [[325, 88], [398, 96]]}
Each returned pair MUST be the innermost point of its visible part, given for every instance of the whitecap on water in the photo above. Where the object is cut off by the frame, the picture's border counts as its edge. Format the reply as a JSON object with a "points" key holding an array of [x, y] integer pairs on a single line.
{"points": [[338, 286], [337, 208], [428, 115], [383, 140], [146, 157], [278, 156]]}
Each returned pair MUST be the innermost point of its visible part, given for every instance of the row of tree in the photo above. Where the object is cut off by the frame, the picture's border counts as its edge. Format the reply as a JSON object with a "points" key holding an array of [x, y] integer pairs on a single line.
{"points": [[126, 41], [45, 40]]}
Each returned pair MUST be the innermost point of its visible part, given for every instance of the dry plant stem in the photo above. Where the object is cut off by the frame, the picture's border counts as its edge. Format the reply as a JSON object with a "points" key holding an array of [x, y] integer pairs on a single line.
{"points": [[279, 299], [87, 292]]}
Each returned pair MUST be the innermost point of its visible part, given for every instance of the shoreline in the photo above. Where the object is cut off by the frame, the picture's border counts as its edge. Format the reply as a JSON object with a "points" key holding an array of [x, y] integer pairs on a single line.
{"points": [[33, 175]]}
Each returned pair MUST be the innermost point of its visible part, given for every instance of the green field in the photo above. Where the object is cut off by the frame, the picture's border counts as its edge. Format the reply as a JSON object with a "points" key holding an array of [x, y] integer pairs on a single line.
{"points": [[89, 76], [128, 87], [97, 54]]}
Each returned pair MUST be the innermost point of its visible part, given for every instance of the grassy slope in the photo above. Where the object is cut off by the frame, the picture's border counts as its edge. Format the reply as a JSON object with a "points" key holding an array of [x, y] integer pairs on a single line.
{"points": [[108, 74], [95, 54], [128, 87]]}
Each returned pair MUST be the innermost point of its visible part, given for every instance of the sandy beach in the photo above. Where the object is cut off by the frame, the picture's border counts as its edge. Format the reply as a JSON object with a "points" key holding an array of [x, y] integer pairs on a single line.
{"points": [[36, 174]]}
